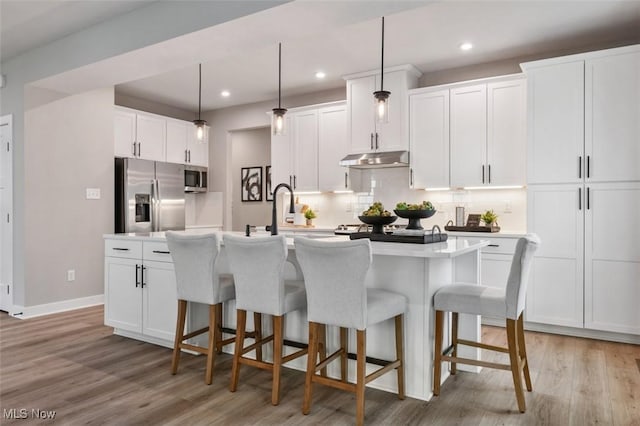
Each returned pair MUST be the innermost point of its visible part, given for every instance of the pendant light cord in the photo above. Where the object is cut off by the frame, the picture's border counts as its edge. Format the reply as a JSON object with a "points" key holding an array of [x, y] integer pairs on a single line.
{"points": [[382, 60], [199, 89], [279, 72]]}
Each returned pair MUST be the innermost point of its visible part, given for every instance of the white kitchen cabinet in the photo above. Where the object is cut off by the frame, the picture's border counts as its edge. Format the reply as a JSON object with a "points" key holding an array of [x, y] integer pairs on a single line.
{"points": [[140, 289], [139, 135], [488, 134], [366, 134], [429, 139], [332, 147], [182, 145], [305, 150]]}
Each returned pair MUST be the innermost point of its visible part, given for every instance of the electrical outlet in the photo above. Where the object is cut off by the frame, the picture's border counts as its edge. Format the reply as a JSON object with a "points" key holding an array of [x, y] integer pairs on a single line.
{"points": [[71, 275], [507, 207], [93, 193]]}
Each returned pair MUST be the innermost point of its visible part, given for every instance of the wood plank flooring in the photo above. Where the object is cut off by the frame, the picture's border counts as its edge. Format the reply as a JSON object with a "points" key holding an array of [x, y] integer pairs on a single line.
{"points": [[72, 364]]}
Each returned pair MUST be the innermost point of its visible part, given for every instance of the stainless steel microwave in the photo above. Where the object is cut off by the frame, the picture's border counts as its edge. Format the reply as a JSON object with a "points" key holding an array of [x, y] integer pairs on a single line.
{"points": [[195, 179]]}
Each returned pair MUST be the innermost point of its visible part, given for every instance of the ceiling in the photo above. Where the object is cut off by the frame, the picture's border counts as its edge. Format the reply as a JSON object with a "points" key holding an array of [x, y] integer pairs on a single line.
{"points": [[337, 37]]}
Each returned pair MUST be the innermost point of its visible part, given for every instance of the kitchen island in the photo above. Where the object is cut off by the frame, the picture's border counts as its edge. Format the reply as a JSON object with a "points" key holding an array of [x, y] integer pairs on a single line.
{"points": [[140, 299]]}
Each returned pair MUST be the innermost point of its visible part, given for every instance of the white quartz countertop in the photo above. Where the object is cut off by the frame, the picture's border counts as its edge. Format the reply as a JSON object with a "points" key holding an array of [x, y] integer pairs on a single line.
{"points": [[447, 249], [501, 234]]}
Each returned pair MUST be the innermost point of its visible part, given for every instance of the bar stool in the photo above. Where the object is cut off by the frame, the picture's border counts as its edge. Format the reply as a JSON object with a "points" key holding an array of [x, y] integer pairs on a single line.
{"points": [[334, 275], [493, 302], [195, 261], [257, 264]]}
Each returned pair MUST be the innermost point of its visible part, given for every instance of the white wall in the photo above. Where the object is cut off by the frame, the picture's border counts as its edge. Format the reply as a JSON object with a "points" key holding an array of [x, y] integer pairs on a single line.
{"points": [[249, 148], [153, 107], [69, 144]]}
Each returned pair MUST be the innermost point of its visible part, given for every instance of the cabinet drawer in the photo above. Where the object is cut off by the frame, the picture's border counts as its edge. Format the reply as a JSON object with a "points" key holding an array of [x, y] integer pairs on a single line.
{"points": [[155, 250], [497, 245], [123, 248]]}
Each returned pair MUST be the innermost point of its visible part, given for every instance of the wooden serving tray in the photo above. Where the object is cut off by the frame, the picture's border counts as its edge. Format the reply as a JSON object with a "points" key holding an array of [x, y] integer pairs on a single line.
{"points": [[472, 228]]}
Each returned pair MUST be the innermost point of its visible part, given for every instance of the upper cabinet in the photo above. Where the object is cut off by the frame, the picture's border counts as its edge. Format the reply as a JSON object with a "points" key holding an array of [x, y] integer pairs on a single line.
{"points": [[364, 132], [332, 147], [584, 112], [488, 134], [182, 145], [139, 135], [154, 137]]}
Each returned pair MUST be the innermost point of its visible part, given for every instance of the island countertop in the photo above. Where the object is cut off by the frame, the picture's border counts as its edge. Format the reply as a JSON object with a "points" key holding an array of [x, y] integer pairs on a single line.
{"points": [[451, 248]]}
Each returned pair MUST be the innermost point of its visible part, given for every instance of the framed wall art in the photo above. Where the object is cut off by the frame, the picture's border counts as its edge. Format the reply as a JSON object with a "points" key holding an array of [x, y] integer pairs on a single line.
{"points": [[251, 182]]}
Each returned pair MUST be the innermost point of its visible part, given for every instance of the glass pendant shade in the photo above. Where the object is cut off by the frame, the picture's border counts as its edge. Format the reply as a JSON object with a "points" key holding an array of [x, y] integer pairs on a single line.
{"points": [[381, 99], [199, 123], [200, 130]]}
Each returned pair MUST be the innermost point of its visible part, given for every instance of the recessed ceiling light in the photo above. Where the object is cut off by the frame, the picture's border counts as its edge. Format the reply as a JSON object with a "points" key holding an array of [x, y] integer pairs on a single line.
{"points": [[225, 94], [320, 75], [466, 46]]}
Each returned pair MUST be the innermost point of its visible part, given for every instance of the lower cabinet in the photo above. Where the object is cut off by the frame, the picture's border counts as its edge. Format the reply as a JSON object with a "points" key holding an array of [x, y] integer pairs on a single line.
{"points": [[140, 294]]}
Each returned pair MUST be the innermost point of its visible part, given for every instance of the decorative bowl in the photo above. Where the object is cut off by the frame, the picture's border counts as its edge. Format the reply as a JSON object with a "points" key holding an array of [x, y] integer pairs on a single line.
{"points": [[378, 222], [414, 216]]}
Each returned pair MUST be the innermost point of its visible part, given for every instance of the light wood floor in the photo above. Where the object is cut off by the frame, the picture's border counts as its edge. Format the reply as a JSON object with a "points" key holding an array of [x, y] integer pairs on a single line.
{"points": [[73, 364]]}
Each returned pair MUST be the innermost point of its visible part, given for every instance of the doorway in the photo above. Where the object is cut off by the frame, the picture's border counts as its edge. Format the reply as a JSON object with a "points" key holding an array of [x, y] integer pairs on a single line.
{"points": [[6, 213], [251, 155]]}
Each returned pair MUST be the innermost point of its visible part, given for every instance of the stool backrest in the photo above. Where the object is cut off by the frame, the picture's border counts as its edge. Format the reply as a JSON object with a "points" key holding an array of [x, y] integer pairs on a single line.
{"points": [[519, 274], [257, 265], [194, 260], [334, 276]]}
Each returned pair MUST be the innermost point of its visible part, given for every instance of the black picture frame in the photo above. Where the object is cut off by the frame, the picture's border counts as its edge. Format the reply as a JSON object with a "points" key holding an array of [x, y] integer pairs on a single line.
{"points": [[268, 191], [251, 183]]}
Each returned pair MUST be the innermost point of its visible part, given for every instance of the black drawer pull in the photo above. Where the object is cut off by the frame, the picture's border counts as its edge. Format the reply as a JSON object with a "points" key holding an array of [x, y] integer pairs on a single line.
{"points": [[162, 252], [121, 249], [493, 245]]}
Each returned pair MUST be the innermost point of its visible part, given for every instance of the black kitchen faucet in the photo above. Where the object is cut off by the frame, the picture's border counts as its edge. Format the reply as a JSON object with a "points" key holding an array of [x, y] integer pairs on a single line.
{"points": [[274, 213]]}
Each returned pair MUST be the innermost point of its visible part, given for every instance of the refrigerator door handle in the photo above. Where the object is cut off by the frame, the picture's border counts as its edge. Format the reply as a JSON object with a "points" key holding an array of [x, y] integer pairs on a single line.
{"points": [[155, 203]]}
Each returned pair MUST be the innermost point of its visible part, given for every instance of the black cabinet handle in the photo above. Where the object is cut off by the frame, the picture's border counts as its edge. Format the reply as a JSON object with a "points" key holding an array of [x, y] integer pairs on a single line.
{"points": [[489, 168], [142, 283], [493, 245], [189, 156], [371, 144], [377, 145], [134, 149], [580, 167], [411, 177], [295, 184], [588, 166], [162, 252], [483, 173], [137, 278], [185, 155], [139, 146], [588, 192], [579, 198], [346, 183], [120, 249]]}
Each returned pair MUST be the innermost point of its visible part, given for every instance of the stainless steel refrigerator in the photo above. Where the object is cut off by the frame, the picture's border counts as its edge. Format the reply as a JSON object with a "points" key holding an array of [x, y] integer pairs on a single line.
{"points": [[149, 196]]}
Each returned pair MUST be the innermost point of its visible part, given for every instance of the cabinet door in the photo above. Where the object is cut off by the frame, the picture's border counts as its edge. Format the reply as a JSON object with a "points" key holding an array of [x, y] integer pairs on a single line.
{"points": [[159, 301], [305, 147], [495, 269], [177, 134], [555, 292], [332, 147], [198, 151], [151, 135], [612, 257], [124, 133], [393, 135], [123, 296], [612, 114], [281, 158], [429, 139], [468, 136], [555, 123], [360, 118], [506, 133]]}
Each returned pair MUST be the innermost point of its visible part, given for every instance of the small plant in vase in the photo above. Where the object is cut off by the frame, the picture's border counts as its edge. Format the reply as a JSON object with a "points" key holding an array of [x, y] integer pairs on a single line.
{"points": [[489, 218], [309, 215]]}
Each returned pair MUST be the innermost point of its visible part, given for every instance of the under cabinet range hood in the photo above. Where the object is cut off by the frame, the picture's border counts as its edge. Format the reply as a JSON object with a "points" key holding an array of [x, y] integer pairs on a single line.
{"points": [[372, 160]]}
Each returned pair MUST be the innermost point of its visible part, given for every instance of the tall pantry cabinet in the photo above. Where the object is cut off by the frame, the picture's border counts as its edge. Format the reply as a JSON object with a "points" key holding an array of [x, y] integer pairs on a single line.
{"points": [[584, 190]]}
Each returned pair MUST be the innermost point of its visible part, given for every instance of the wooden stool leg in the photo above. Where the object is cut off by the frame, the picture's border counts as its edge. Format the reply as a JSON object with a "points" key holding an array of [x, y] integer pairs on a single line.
{"points": [[344, 345], [437, 352], [400, 354], [211, 349], [218, 335], [454, 340], [182, 314], [311, 367], [278, 328], [322, 346], [523, 353], [240, 330], [514, 357], [257, 326], [360, 375]]}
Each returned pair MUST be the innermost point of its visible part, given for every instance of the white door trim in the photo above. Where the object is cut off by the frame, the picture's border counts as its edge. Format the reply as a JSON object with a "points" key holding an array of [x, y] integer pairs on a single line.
{"points": [[6, 216]]}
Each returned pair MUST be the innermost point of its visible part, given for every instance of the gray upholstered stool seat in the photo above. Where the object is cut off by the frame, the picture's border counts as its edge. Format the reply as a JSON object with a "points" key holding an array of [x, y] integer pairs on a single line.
{"points": [[507, 304], [335, 274], [195, 259], [258, 266]]}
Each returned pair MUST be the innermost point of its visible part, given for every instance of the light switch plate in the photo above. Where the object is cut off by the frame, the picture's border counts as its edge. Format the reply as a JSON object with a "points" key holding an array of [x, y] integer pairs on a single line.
{"points": [[93, 193]]}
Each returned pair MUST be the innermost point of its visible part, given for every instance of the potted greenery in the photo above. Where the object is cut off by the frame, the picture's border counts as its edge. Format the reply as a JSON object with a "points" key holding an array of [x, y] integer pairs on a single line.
{"points": [[489, 218], [309, 215]]}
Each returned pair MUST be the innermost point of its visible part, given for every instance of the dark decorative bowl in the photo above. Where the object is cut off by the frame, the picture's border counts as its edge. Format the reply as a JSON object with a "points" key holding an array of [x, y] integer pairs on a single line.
{"points": [[378, 222], [414, 216]]}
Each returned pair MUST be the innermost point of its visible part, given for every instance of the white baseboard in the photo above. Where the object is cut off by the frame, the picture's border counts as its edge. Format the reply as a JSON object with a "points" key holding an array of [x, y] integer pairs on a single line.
{"points": [[24, 312]]}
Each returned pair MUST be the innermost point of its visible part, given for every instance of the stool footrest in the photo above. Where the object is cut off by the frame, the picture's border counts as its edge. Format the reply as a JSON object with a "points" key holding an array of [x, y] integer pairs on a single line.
{"points": [[195, 333], [483, 346], [479, 363], [329, 359], [391, 366], [257, 344], [194, 348], [334, 383], [294, 355]]}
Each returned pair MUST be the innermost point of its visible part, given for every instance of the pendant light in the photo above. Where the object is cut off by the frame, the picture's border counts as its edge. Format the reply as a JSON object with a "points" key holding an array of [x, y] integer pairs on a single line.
{"points": [[278, 121], [381, 96], [199, 123]]}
